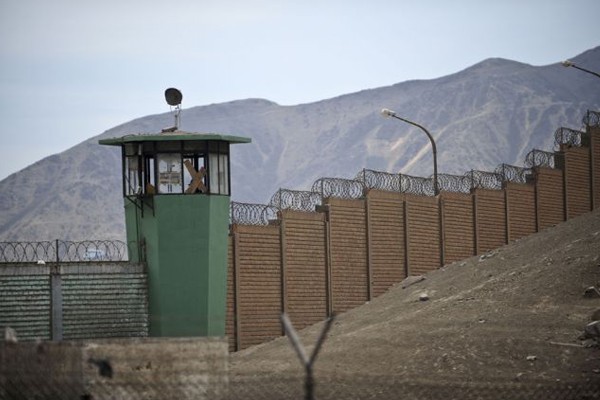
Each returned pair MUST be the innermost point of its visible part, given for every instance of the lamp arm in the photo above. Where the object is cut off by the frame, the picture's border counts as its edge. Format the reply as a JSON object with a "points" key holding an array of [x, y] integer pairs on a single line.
{"points": [[420, 127], [585, 70], [433, 147]]}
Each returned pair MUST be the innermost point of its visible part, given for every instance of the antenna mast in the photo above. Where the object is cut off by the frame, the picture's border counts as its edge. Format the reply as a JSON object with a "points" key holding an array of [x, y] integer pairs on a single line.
{"points": [[173, 98]]}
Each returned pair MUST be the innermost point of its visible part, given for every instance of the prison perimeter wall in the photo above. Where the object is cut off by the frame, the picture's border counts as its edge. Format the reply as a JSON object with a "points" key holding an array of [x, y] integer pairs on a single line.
{"points": [[312, 254]]}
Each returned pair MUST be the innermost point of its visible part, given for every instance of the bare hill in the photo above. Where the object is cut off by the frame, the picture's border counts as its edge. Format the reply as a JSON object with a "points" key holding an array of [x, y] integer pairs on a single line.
{"points": [[507, 320], [490, 113]]}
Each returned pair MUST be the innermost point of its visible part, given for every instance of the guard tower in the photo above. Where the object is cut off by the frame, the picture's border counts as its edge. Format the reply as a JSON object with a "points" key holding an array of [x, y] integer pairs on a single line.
{"points": [[176, 188]]}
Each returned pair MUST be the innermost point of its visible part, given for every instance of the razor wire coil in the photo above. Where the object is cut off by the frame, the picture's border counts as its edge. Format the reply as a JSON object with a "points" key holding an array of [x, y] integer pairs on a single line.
{"points": [[299, 200], [539, 158], [380, 180], [567, 137], [418, 185], [63, 251], [339, 188], [591, 118], [454, 183], [484, 180], [251, 213], [513, 173]]}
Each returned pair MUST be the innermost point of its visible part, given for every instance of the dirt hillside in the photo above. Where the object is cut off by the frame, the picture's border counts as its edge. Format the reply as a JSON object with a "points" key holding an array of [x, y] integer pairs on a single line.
{"points": [[509, 317]]}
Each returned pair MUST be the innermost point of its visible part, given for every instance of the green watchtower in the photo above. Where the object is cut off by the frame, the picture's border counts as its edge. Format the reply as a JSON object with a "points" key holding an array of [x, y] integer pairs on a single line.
{"points": [[176, 187]]}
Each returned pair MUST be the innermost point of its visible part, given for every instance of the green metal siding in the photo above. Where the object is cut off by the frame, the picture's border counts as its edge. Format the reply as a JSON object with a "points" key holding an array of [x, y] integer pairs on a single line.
{"points": [[185, 239], [91, 300], [25, 303], [132, 231], [104, 305]]}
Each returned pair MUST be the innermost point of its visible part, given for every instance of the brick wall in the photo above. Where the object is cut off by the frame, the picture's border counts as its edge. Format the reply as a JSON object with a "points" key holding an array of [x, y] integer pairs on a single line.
{"points": [[594, 133], [423, 232], [348, 247], [258, 251], [310, 264], [230, 328], [520, 208], [577, 180], [305, 267], [458, 226], [490, 217], [549, 197], [387, 254]]}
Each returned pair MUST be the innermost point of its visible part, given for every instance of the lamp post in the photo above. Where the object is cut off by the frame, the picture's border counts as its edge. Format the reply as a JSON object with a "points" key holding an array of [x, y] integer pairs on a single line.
{"points": [[568, 63], [389, 113]]}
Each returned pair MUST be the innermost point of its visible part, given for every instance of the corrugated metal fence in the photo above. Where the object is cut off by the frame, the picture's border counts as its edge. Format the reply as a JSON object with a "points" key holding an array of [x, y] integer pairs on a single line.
{"points": [[74, 300]]}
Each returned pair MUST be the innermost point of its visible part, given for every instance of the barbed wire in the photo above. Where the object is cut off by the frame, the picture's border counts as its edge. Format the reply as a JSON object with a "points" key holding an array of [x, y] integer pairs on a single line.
{"points": [[338, 187], [251, 213], [567, 136], [454, 183], [401, 183], [513, 173], [28, 251], [418, 185], [299, 200], [539, 158], [380, 180], [484, 179], [63, 251], [591, 118]]}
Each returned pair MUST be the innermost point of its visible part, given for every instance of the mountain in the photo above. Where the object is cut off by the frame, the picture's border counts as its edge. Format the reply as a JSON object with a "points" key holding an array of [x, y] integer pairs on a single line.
{"points": [[490, 113]]}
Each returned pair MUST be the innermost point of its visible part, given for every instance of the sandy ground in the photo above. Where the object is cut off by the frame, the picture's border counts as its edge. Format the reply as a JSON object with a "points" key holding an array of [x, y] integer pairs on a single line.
{"points": [[510, 318]]}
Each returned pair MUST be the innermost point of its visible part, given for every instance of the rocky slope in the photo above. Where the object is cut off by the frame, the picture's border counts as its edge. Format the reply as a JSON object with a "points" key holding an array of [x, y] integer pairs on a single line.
{"points": [[502, 325], [493, 112]]}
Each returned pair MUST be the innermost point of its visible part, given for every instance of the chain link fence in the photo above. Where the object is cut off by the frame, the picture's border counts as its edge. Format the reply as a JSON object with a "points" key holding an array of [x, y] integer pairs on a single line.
{"points": [[286, 387], [138, 388], [149, 368], [393, 387]]}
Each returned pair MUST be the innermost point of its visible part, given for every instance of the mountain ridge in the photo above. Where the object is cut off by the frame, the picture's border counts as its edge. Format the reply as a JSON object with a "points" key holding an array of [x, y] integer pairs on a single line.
{"points": [[479, 117]]}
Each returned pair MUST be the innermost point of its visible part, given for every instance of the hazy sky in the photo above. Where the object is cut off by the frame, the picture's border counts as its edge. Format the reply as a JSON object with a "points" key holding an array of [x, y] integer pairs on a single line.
{"points": [[70, 70]]}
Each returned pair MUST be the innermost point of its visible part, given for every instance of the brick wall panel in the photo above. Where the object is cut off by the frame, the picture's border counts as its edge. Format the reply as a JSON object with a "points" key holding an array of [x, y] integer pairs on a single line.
{"points": [[459, 235], [230, 317], [305, 267], [595, 143], [386, 221], [550, 196], [348, 253], [491, 219], [260, 284], [521, 210], [577, 177], [423, 234]]}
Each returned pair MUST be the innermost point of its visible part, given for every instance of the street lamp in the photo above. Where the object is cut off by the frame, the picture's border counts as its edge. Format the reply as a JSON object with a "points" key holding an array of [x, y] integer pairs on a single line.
{"points": [[568, 63], [389, 113]]}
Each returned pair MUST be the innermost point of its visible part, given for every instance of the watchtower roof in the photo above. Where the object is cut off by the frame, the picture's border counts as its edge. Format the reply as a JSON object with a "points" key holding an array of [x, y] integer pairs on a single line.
{"points": [[173, 136]]}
